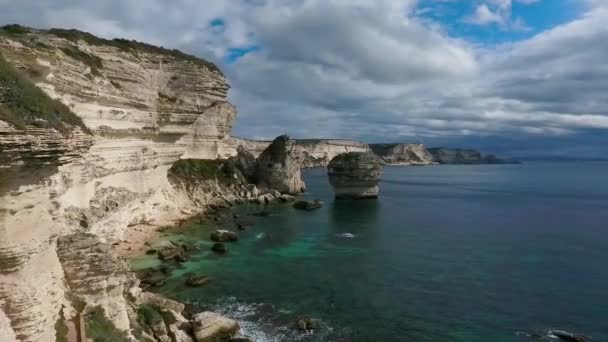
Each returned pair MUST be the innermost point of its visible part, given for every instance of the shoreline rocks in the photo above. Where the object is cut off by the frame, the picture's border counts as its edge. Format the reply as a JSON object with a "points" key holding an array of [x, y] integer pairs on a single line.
{"points": [[355, 175], [211, 327]]}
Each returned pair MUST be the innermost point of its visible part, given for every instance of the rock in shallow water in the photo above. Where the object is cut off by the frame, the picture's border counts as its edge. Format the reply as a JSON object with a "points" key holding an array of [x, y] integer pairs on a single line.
{"points": [[219, 248], [308, 205], [223, 236], [197, 280], [279, 167], [210, 327], [355, 175]]}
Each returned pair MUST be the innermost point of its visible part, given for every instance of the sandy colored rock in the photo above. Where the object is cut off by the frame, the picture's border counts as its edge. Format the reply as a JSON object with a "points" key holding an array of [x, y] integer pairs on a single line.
{"points": [[279, 167], [210, 327], [355, 175]]}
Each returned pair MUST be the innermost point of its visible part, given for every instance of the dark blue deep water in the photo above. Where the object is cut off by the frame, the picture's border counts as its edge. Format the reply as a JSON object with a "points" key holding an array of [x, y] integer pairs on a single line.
{"points": [[448, 253]]}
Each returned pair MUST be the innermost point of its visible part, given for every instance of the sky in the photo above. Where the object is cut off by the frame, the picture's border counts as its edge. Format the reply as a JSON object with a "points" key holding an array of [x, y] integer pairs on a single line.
{"points": [[521, 78]]}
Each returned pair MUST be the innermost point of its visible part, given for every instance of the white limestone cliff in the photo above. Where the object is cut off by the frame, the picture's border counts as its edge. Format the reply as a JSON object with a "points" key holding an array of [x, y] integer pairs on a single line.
{"points": [[145, 107], [316, 152]]}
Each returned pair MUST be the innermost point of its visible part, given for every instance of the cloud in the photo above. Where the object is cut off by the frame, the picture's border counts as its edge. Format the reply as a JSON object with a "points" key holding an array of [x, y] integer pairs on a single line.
{"points": [[498, 12], [375, 70]]}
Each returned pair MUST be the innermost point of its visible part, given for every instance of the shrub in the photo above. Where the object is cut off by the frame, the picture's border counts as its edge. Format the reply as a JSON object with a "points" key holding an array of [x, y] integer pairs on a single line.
{"points": [[131, 46], [194, 170], [100, 329], [14, 29], [22, 102], [88, 59], [149, 315], [61, 331]]}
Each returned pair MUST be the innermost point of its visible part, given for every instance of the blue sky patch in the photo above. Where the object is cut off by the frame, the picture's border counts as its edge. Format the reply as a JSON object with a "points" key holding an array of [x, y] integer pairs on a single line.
{"points": [[521, 22]]}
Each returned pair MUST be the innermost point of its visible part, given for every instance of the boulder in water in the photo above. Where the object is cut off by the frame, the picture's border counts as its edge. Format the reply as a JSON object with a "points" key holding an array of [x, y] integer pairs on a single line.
{"points": [[355, 175], [308, 205], [211, 327], [219, 248], [305, 324], [567, 336], [197, 280], [223, 236], [279, 167]]}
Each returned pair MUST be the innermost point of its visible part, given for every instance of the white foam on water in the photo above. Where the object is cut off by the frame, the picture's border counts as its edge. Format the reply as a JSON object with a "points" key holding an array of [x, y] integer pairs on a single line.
{"points": [[347, 235]]}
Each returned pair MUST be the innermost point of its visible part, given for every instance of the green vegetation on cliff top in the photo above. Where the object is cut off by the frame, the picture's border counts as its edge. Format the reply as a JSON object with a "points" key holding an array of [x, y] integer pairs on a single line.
{"points": [[131, 45], [194, 170], [23, 103], [100, 329]]}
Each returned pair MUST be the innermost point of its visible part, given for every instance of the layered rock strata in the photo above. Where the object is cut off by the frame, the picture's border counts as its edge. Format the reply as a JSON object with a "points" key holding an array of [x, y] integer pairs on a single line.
{"points": [[279, 167], [355, 175], [144, 107], [316, 152], [403, 154]]}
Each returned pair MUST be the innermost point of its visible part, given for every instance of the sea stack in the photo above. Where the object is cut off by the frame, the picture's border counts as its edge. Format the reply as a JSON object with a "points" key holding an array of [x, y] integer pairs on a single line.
{"points": [[355, 175], [279, 167]]}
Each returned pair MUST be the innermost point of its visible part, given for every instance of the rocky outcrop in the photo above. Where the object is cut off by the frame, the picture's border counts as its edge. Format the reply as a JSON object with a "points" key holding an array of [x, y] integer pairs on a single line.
{"points": [[210, 327], [403, 154], [210, 136], [144, 107], [279, 167], [464, 156], [319, 152], [316, 152], [355, 175]]}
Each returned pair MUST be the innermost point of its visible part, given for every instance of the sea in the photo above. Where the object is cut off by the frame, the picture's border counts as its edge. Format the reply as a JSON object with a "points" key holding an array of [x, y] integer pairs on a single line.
{"points": [[463, 253]]}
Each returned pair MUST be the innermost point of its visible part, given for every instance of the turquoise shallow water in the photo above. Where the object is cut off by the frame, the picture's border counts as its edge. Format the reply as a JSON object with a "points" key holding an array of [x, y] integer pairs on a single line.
{"points": [[448, 253]]}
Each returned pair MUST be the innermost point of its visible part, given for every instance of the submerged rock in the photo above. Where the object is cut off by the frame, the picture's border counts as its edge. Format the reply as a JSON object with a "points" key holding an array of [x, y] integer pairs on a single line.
{"points": [[308, 205], [286, 198], [223, 236], [176, 254], [279, 167], [305, 324], [197, 280], [567, 336], [211, 327], [355, 175], [219, 248]]}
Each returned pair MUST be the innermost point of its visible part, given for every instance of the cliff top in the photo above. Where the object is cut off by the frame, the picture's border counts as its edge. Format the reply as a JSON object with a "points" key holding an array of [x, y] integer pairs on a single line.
{"points": [[17, 31], [22, 103]]}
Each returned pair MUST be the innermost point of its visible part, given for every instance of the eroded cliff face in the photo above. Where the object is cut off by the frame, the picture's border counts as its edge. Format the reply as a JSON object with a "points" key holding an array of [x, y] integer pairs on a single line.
{"points": [[145, 107], [403, 154], [316, 152]]}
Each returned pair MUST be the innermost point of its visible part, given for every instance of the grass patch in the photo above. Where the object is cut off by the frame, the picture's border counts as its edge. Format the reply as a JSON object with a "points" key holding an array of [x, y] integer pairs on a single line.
{"points": [[61, 331], [131, 46], [22, 103], [100, 329], [14, 29], [149, 315], [88, 59], [202, 170]]}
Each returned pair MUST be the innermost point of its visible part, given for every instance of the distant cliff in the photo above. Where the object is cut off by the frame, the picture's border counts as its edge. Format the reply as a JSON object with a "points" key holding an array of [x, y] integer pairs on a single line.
{"points": [[403, 154], [316, 152], [464, 156]]}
